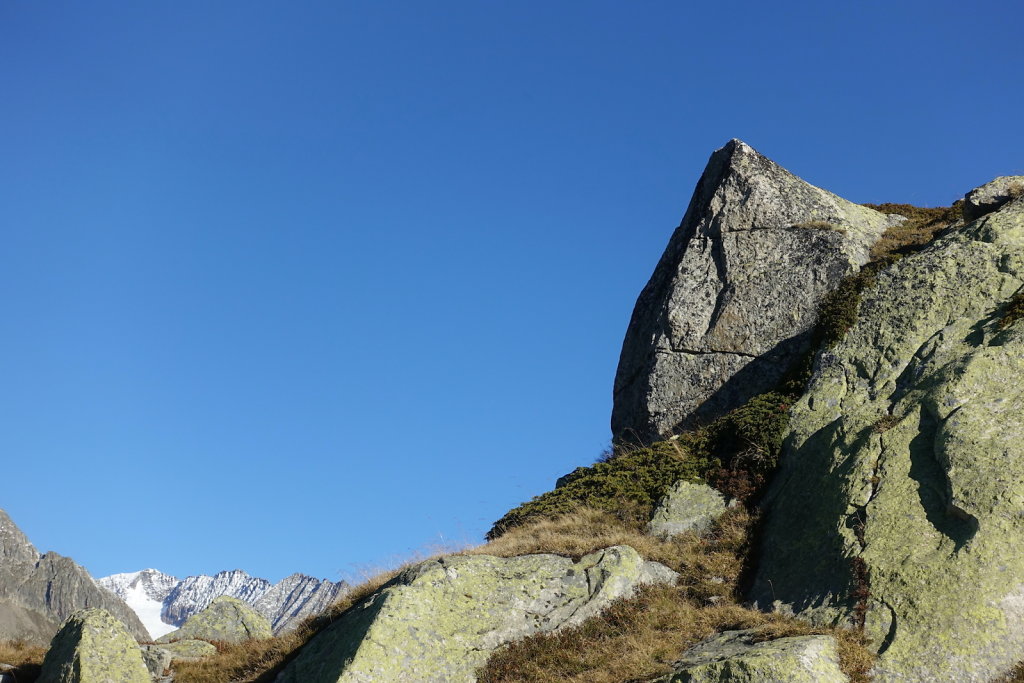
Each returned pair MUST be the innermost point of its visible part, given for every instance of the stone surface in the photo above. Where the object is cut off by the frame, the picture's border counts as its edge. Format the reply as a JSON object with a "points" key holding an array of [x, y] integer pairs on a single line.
{"points": [[992, 195], [190, 649], [93, 647], [729, 307], [736, 657], [688, 506], [38, 592], [440, 620], [157, 659], [227, 619], [903, 473]]}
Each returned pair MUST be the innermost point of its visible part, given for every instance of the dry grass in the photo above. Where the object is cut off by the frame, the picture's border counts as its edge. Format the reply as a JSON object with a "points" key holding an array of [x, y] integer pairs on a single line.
{"points": [[640, 637], [920, 228], [26, 659], [260, 660], [634, 638]]}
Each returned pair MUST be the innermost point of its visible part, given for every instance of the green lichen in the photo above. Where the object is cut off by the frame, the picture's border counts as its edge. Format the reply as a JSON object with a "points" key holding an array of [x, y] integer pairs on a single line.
{"points": [[93, 647], [226, 619]]}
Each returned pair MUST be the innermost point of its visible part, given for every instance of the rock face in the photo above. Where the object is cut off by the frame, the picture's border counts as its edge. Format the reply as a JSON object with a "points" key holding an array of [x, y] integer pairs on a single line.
{"points": [[164, 602], [729, 306], [688, 506], [440, 620], [38, 592], [991, 196], [737, 657], [900, 495], [93, 647], [226, 619]]}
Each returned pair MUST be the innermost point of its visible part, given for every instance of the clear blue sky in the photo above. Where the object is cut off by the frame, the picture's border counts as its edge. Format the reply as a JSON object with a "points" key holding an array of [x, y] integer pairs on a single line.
{"points": [[309, 286]]}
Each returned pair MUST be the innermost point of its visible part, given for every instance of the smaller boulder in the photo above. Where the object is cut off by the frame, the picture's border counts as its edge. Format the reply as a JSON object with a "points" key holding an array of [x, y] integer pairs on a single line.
{"points": [[225, 619], [157, 660], [93, 647], [991, 196], [686, 507], [737, 657]]}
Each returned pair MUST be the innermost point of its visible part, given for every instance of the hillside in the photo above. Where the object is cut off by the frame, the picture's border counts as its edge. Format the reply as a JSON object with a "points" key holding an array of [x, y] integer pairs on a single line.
{"points": [[817, 474]]}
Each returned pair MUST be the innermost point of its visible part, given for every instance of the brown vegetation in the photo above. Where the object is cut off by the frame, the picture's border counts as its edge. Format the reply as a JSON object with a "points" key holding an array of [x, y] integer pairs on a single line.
{"points": [[920, 228], [641, 636], [26, 659], [258, 661]]}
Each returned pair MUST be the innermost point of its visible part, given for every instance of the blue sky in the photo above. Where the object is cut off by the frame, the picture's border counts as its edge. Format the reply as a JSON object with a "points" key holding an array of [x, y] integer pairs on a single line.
{"points": [[314, 286]]}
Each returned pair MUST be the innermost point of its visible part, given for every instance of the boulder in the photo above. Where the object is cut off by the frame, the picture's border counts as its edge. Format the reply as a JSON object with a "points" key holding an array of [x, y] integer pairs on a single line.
{"points": [[441, 619], [157, 660], [93, 647], [737, 657], [688, 506], [731, 303], [992, 195], [899, 503], [225, 619]]}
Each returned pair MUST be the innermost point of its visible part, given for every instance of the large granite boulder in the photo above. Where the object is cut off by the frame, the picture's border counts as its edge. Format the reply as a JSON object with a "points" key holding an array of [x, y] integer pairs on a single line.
{"points": [[730, 305], [93, 647], [226, 619], [38, 592], [440, 620], [739, 657], [899, 503]]}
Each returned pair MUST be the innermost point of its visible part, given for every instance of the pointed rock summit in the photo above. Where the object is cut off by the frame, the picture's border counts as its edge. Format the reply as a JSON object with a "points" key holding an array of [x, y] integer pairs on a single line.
{"points": [[731, 303]]}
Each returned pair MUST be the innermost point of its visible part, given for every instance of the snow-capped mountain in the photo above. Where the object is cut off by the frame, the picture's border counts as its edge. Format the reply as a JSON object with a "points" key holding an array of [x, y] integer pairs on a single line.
{"points": [[164, 602]]}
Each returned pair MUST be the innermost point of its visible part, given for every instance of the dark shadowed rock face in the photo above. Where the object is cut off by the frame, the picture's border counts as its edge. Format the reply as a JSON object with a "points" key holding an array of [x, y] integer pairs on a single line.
{"points": [[38, 592], [732, 300]]}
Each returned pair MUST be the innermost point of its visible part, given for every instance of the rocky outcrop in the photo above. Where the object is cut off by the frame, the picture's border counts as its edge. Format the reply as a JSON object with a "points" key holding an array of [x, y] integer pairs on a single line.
{"points": [[729, 307], [93, 647], [991, 196], [440, 620], [38, 592], [226, 619], [688, 506], [738, 657], [899, 500]]}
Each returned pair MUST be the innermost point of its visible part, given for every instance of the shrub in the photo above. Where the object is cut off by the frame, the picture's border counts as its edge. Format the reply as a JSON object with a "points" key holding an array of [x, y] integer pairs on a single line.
{"points": [[920, 228], [628, 483]]}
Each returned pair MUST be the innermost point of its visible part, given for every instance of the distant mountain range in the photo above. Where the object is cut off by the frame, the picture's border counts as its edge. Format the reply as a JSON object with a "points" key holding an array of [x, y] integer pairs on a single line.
{"points": [[163, 602]]}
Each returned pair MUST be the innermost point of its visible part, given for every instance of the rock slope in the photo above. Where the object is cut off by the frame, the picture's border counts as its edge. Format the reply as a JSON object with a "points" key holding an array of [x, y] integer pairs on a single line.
{"points": [[164, 602], [899, 502], [729, 306], [39, 591]]}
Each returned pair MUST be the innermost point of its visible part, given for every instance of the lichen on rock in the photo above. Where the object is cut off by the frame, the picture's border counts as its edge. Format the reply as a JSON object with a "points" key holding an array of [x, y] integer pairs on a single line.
{"points": [[739, 657], [898, 501], [93, 647], [226, 619], [440, 620]]}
